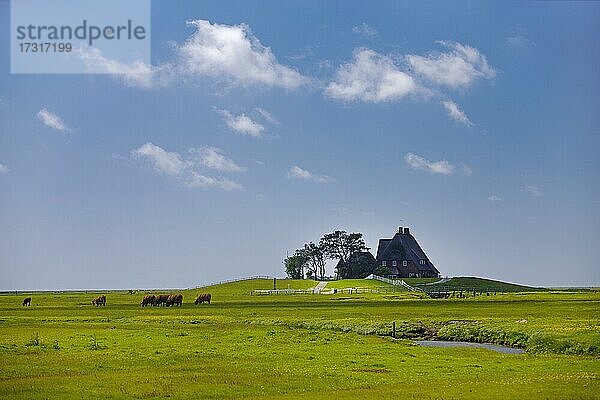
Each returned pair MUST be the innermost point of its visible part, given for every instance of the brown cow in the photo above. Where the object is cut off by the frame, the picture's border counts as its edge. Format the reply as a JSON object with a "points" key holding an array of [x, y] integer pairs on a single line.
{"points": [[99, 301], [202, 298], [174, 299], [27, 302], [149, 299], [161, 300]]}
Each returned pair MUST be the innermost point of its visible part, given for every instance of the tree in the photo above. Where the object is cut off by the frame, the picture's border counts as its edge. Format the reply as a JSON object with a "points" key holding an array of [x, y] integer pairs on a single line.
{"points": [[382, 271], [341, 245], [317, 259], [359, 266], [295, 264]]}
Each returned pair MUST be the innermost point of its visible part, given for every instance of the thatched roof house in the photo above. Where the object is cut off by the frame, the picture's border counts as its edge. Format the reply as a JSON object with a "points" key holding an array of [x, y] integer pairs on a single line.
{"points": [[403, 256]]}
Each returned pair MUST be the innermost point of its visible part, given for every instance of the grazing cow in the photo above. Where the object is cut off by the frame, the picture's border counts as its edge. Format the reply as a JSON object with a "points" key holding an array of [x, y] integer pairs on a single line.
{"points": [[202, 298], [27, 302], [161, 300], [99, 301], [149, 299], [174, 299]]}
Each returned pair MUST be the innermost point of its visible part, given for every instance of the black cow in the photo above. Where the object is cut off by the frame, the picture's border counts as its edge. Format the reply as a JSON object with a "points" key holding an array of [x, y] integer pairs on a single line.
{"points": [[148, 300], [161, 300], [27, 302], [202, 298], [174, 300]]}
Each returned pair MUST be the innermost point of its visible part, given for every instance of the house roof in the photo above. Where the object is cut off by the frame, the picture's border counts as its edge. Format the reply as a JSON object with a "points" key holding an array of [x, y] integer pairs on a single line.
{"points": [[403, 246]]}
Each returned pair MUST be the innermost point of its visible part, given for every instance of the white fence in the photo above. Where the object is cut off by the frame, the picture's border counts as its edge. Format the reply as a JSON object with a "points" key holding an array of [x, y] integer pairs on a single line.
{"points": [[397, 282]]}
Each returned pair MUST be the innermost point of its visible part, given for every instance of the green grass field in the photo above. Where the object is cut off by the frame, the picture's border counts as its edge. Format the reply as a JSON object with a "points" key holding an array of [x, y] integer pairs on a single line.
{"points": [[298, 346]]}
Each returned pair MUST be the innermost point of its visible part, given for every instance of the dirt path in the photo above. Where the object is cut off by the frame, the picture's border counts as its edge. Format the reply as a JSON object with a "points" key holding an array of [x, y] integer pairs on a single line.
{"points": [[320, 286]]}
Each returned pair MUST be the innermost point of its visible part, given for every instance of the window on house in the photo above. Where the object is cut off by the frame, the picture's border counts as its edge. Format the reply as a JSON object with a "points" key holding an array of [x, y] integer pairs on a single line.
{"points": [[383, 263], [394, 263], [404, 263]]}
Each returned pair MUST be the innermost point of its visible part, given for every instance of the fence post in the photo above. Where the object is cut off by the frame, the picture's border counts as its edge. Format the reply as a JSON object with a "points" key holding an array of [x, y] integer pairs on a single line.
{"points": [[394, 329]]}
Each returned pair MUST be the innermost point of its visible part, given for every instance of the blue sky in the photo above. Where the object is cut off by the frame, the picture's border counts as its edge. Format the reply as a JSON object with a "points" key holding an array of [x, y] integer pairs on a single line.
{"points": [[474, 123]]}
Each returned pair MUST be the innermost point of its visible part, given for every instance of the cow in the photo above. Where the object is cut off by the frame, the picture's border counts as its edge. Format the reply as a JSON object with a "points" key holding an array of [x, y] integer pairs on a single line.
{"points": [[161, 300], [149, 299], [99, 301], [27, 302], [174, 299], [202, 298]]}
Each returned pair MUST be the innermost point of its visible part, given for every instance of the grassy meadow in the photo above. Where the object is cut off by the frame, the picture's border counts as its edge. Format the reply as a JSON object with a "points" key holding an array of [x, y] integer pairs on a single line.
{"points": [[299, 346]]}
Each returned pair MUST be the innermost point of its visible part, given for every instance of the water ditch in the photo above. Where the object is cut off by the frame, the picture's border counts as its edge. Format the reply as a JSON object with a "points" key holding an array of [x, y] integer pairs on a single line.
{"points": [[449, 344]]}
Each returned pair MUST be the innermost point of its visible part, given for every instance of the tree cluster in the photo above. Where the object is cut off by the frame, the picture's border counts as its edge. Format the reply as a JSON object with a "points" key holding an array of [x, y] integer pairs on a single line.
{"points": [[309, 261]]}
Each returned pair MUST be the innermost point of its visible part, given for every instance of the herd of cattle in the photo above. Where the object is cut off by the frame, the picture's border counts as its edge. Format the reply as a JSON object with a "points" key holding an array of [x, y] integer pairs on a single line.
{"points": [[166, 300], [99, 301]]}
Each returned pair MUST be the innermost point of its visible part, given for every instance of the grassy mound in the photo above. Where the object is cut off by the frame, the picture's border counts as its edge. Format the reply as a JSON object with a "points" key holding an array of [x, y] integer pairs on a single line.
{"points": [[247, 286], [420, 281], [481, 284]]}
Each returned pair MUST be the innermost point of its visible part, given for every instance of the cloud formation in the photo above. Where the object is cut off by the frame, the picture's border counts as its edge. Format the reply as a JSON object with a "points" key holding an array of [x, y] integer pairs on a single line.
{"points": [[134, 74], [232, 52], [493, 198], [373, 77], [242, 124], [213, 158], [533, 191], [269, 117], [295, 172], [456, 113], [52, 120], [3, 169], [435, 167], [519, 37], [370, 77], [188, 171], [364, 29], [458, 68]]}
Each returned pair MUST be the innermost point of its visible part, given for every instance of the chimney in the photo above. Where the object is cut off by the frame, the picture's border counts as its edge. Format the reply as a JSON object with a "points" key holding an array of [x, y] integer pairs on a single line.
{"points": [[400, 230], [406, 231]]}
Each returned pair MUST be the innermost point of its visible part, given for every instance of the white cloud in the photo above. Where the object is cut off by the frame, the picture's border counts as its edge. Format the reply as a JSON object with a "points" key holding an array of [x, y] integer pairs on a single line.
{"points": [[269, 117], [435, 167], [370, 77], [242, 124], [364, 29], [228, 52], [234, 53], [213, 158], [198, 180], [459, 67], [456, 113], [52, 120], [533, 191], [3, 169], [188, 172], [493, 198], [295, 172], [519, 37], [168, 163], [466, 169], [519, 41], [134, 74]]}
